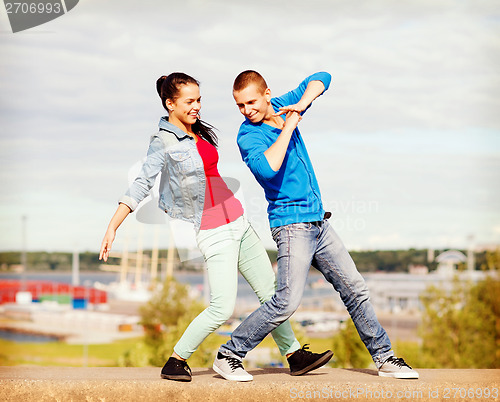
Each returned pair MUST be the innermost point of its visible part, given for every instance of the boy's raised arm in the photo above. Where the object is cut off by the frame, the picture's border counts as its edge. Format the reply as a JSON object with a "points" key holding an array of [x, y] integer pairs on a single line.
{"points": [[314, 89], [275, 154]]}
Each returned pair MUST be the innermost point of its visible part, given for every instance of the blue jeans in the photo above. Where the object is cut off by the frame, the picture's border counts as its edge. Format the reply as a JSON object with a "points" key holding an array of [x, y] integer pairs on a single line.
{"points": [[301, 245]]}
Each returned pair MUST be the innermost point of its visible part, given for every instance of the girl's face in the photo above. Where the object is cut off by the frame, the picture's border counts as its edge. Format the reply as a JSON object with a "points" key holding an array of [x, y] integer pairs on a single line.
{"points": [[185, 109]]}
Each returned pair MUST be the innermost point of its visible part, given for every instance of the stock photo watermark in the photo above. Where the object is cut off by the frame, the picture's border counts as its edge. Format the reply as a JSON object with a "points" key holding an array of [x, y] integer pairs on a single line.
{"points": [[28, 14], [346, 214], [414, 394]]}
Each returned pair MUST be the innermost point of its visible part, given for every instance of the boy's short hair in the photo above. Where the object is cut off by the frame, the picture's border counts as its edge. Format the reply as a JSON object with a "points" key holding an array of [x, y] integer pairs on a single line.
{"points": [[248, 77]]}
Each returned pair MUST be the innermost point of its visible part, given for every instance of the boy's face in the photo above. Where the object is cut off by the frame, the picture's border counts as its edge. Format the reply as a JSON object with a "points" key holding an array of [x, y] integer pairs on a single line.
{"points": [[253, 103]]}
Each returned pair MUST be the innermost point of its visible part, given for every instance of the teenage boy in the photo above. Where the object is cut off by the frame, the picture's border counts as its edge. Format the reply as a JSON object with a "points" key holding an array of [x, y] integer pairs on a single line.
{"points": [[273, 148]]}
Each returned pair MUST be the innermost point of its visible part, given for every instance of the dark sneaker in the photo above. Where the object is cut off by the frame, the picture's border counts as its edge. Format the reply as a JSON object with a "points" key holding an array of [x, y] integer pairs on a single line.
{"points": [[303, 361], [396, 368], [231, 368], [175, 369]]}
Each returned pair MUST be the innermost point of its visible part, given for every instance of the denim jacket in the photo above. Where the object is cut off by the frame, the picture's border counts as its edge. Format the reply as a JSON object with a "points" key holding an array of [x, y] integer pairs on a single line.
{"points": [[182, 183]]}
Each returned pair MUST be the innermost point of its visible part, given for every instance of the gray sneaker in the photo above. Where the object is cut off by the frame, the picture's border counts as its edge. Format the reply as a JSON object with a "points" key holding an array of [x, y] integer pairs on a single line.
{"points": [[396, 368], [231, 368]]}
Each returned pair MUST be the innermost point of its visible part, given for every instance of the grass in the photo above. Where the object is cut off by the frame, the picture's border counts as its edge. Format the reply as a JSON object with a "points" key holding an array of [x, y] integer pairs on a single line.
{"points": [[105, 355], [62, 354]]}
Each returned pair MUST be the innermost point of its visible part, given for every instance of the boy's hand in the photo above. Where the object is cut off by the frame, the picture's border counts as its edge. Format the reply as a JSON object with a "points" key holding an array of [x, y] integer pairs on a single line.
{"points": [[292, 119], [291, 108], [275, 154]]}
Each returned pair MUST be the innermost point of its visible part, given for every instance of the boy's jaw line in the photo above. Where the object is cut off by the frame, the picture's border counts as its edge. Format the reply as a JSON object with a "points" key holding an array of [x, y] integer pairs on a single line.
{"points": [[257, 121], [266, 117]]}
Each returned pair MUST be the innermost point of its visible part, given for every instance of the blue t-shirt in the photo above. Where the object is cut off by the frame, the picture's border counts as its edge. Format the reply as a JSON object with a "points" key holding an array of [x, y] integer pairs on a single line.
{"points": [[292, 192]]}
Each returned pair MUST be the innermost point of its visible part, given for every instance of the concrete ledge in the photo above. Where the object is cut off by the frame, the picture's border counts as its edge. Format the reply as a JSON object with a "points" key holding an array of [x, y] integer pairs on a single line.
{"points": [[109, 384]]}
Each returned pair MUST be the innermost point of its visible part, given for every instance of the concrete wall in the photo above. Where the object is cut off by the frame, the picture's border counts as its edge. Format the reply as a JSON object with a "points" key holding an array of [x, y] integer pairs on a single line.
{"points": [[109, 384]]}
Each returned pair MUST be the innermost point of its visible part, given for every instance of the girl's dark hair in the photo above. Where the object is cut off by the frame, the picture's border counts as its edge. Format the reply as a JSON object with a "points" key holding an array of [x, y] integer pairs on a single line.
{"points": [[168, 87]]}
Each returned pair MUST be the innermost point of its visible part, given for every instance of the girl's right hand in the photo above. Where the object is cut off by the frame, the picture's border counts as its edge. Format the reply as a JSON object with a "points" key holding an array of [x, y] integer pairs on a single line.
{"points": [[109, 237]]}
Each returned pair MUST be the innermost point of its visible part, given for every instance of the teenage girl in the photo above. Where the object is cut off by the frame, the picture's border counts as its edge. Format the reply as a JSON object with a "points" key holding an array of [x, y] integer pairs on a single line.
{"points": [[185, 152]]}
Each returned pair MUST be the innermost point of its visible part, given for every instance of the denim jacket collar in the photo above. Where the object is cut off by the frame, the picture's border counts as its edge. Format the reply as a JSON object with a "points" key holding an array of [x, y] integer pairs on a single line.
{"points": [[165, 125]]}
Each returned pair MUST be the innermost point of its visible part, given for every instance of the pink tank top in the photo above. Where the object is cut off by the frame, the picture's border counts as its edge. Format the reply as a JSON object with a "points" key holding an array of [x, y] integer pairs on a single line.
{"points": [[221, 206]]}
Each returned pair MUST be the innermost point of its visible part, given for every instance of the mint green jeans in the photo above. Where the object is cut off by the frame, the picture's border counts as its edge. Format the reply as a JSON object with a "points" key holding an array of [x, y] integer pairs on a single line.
{"points": [[228, 249]]}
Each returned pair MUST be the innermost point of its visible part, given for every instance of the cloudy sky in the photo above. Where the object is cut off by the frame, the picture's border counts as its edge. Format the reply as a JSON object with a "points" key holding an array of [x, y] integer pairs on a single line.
{"points": [[405, 144]]}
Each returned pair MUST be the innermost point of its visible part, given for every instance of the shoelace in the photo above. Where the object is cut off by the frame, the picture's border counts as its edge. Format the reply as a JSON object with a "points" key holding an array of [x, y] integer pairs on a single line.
{"points": [[184, 365], [187, 368], [234, 363], [397, 361], [304, 349]]}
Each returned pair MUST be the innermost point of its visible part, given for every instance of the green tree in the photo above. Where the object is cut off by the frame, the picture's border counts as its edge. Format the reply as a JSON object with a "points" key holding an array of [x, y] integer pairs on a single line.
{"points": [[300, 335], [461, 327], [491, 260], [165, 318], [349, 350]]}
